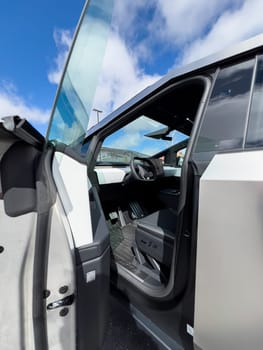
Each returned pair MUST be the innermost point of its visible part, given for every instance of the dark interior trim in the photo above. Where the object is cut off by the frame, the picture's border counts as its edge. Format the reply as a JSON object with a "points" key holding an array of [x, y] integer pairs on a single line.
{"points": [[46, 193]]}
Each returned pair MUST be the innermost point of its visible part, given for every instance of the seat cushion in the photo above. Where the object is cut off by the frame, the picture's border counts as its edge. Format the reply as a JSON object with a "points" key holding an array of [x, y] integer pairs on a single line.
{"points": [[164, 219], [155, 235]]}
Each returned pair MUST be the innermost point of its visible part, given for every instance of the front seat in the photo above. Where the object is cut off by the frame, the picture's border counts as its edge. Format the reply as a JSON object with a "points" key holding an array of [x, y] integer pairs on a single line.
{"points": [[155, 235]]}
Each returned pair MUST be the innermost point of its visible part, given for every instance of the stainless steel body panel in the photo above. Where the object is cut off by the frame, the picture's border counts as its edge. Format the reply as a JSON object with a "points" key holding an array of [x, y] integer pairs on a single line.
{"points": [[229, 279]]}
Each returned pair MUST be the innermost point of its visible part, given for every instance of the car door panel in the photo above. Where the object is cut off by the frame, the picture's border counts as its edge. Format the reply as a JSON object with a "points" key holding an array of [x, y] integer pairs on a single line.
{"points": [[21, 306], [61, 283], [73, 186], [93, 279], [16, 270], [91, 243], [92, 307]]}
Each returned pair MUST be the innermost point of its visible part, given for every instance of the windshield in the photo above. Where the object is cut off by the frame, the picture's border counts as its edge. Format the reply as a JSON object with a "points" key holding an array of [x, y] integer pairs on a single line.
{"points": [[143, 137], [73, 104], [109, 155]]}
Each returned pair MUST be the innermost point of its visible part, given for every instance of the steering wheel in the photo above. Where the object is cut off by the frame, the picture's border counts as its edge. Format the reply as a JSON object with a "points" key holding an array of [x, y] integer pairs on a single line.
{"points": [[143, 169]]}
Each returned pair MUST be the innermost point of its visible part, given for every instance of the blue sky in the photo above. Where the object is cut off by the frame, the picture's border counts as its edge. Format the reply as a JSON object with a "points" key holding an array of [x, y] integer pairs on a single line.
{"points": [[150, 38], [28, 48]]}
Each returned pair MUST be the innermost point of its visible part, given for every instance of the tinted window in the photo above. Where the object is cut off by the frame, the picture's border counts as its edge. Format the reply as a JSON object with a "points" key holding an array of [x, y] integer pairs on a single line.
{"points": [[224, 123], [255, 128]]}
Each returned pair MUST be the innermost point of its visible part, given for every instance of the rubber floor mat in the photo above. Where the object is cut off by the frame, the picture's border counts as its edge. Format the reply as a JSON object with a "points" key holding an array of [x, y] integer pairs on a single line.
{"points": [[116, 235], [121, 239]]}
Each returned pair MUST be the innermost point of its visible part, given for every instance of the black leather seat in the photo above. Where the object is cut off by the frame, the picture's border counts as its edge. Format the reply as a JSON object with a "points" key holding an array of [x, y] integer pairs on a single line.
{"points": [[155, 235]]}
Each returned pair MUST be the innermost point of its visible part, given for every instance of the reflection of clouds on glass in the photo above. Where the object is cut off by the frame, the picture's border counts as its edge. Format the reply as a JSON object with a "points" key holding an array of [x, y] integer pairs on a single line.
{"points": [[62, 131], [177, 136], [86, 60], [75, 98], [143, 124], [225, 120], [132, 137], [122, 76], [230, 112], [70, 112], [224, 127], [127, 140], [233, 83], [233, 75]]}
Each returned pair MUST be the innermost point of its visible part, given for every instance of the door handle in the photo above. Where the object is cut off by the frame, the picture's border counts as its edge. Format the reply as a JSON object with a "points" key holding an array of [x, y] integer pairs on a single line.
{"points": [[62, 302]]}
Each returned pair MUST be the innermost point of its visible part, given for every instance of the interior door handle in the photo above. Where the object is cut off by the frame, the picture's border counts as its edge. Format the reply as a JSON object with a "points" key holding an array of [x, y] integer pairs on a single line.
{"points": [[62, 302]]}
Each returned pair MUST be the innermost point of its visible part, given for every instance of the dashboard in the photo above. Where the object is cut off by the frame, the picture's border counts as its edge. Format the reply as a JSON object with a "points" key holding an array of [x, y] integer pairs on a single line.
{"points": [[116, 174]]}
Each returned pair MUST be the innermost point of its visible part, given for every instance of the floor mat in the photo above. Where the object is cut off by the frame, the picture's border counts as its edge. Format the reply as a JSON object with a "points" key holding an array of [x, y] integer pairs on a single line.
{"points": [[116, 235], [121, 242]]}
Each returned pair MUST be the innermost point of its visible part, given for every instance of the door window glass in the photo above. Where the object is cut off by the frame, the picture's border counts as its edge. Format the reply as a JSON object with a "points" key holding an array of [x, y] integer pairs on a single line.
{"points": [[225, 119], [73, 104]]}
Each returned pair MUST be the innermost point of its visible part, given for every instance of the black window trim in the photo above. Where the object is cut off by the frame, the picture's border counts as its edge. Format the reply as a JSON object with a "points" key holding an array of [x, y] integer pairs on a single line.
{"points": [[213, 78]]}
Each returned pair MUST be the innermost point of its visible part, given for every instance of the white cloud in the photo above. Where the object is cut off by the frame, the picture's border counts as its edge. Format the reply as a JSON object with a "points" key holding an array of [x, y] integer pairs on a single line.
{"points": [[63, 39], [182, 21], [133, 136], [84, 68], [192, 30], [121, 76], [143, 124], [186, 29], [13, 104], [125, 24], [232, 26], [127, 141]]}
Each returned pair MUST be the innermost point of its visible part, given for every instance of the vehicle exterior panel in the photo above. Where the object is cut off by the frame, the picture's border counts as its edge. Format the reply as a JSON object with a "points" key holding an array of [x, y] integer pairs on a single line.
{"points": [[229, 283]]}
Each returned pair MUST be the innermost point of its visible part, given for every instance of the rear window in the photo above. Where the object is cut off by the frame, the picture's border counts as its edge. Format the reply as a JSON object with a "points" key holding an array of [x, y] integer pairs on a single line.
{"points": [[225, 119]]}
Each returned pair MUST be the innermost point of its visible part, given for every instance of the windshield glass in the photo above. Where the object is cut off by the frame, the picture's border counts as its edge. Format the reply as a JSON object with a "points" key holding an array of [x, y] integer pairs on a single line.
{"points": [[73, 104], [144, 137], [109, 155]]}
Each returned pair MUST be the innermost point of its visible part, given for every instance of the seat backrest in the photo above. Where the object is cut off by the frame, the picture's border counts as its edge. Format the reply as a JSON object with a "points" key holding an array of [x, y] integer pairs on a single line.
{"points": [[18, 178]]}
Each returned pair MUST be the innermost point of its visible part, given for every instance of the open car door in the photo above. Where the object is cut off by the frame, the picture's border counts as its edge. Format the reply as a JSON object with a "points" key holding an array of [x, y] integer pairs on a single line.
{"points": [[54, 243]]}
